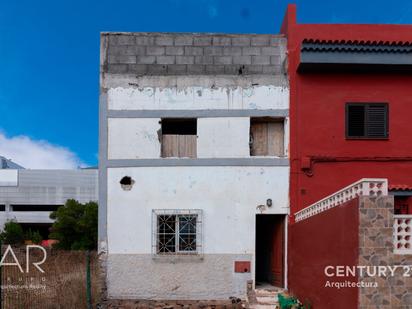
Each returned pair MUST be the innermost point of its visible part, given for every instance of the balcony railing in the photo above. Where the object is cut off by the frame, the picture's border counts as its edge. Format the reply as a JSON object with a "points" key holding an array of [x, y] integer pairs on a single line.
{"points": [[363, 187], [402, 234]]}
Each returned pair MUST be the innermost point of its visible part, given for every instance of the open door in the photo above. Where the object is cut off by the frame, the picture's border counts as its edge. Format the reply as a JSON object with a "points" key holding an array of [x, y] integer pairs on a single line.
{"points": [[270, 250]]}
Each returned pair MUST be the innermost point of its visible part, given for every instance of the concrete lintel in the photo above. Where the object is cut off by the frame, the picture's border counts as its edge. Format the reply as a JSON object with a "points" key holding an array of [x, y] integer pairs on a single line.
{"points": [[198, 162], [281, 113]]}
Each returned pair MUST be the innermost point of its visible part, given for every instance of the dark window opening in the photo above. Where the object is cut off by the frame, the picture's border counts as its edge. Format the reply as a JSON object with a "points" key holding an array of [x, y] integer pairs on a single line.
{"points": [[179, 138], [179, 126], [35, 207], [367, 120], [2, 207]]}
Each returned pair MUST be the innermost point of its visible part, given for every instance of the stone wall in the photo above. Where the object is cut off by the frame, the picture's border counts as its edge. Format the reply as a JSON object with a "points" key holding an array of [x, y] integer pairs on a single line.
{"points": [[376, 249]]}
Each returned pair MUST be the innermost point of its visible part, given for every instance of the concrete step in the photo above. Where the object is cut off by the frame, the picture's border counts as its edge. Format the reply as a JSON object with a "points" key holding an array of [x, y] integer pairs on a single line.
{"points": [[267, 299], [260, 306]]}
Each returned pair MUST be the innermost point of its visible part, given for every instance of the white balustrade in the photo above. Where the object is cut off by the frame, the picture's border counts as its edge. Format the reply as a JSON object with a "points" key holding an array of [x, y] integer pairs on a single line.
{"points": [[402, 234], [363, 187]]}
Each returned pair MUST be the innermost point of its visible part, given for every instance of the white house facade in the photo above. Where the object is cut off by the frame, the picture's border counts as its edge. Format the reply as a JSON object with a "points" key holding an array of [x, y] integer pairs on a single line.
{"points": [[193, 163]]}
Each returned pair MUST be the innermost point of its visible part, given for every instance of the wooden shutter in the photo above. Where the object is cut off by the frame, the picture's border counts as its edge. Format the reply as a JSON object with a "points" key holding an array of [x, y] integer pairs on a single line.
{"points": [[376, 120], [367, 120], [267, 138], [174, 145]]}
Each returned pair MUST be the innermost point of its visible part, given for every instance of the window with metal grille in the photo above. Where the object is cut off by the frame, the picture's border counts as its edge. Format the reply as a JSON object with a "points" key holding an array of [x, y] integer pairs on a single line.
{"points": [[367, 120], [176, 232]]}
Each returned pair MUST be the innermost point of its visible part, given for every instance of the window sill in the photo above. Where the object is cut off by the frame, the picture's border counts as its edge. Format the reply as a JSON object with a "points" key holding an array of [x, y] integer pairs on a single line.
{"points": [[367, 138], [178, 258]]}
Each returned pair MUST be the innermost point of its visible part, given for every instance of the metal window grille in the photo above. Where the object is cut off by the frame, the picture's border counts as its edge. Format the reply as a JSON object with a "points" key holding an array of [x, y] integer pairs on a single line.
{"points": [[177, 232]]}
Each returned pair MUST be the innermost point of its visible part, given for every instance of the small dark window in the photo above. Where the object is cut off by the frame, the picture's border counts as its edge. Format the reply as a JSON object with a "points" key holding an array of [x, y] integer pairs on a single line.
{"points": [[179, 138], [367, 120]]}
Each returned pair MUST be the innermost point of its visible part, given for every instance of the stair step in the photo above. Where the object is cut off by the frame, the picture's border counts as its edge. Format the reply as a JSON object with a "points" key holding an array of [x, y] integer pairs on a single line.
{"points": [[261, 306], [267, 299]]}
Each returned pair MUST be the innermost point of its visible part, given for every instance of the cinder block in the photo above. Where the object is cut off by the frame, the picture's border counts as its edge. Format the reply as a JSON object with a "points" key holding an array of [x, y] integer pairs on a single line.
{"points": [[165, 59], [271, 69], [174, 50], [242, 60], [213, 51], [249, 51], [221, 41], [157, 69], [202, 41], [146, 59], [155, 50], [177, 69], [164, 40], [193, 51], [232, 69], [215, 69], [276, 41], [203, 60], [270, 51], [122, 59], [195, 69], [138, 69], [241, 41], [261, 60], [182, 40], [121, 39], [232, 51], [127, 50], [185, 59], [117, 68], [222, 60], [275, 60], [253, 69], [260, 40], [144, 40]]}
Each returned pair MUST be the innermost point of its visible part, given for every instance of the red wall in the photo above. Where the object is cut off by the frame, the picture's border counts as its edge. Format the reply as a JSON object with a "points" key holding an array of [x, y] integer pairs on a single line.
{"points": [[329, 238], [317, 116]]}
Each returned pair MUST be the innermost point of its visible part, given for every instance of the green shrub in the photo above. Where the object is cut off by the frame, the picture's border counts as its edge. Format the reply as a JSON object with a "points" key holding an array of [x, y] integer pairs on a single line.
{"points": [[34, 236], [75, 226], [12, 233]]}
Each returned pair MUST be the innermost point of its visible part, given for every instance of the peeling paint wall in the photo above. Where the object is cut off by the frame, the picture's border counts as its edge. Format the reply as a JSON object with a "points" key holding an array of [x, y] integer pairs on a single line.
{"points": [[223, 180]]}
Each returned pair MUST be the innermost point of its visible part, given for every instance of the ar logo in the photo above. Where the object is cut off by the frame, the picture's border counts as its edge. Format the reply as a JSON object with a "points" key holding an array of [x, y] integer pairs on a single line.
{"points": [[9, 251]]}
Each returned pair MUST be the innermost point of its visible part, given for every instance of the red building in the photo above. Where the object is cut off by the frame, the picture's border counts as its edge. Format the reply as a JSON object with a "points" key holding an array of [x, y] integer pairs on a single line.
{"points": [[350, 107], [350, 119]]}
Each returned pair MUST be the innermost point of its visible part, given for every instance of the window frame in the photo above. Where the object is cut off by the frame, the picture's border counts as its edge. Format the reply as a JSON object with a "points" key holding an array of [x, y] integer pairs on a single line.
{"points": [[366, 105], [178, 213]]}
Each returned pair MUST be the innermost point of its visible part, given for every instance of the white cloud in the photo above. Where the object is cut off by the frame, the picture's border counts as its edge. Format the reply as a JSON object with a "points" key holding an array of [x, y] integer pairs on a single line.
{"points": [[37, 154]]}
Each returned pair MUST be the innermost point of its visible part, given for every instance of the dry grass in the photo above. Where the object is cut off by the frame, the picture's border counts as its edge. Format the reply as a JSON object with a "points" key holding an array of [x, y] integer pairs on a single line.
{"points": [[62, 285]]}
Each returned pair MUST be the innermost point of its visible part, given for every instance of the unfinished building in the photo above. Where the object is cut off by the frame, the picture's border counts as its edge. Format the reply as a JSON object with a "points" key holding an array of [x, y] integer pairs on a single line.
{"points": [[193, 163]]}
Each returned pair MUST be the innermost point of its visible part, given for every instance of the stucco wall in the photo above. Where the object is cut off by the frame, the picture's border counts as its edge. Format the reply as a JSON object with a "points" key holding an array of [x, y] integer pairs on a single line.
{"points": [[228, 196], [223, 180]]}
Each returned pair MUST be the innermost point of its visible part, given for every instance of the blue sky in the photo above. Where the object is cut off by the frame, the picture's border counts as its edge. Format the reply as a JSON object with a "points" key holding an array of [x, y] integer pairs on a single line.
{"points": [[49, 59]]}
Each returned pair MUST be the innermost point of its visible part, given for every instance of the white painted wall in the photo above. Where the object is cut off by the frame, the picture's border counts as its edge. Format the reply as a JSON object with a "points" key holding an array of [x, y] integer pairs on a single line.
{"points": [[219, 137], [223, 137], [195, 98], [228, 196], [133, 138]]}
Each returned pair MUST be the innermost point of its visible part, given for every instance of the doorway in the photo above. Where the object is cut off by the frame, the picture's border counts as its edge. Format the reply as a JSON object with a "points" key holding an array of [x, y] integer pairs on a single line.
{"points": [[270, 249]]}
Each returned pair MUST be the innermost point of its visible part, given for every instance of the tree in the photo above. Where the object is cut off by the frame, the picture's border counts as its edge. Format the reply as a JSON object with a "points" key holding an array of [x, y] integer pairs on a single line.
{"points": [[12, 233], [75, 226]]}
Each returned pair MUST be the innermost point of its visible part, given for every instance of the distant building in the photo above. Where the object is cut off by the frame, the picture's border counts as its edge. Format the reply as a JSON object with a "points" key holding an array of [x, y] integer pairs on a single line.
{"points": [[193, 164], [29, 196]]}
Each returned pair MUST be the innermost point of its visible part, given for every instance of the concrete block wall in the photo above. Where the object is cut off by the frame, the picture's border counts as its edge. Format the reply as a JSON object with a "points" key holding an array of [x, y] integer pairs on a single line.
{"points": [[193, 54]]}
